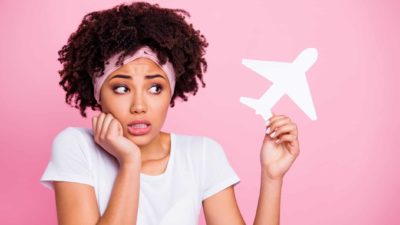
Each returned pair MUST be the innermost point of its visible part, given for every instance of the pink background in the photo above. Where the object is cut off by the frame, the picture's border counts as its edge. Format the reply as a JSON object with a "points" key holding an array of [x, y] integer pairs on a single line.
{"points": [[347, 171]]}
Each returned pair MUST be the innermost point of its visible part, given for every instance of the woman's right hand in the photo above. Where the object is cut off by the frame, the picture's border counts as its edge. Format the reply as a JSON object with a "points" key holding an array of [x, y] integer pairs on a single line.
{"points": [[108, 133]]}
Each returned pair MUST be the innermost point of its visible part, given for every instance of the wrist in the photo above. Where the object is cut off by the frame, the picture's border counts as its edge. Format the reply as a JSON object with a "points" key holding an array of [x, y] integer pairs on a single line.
{"points": [[266, 177], [131, 162], [130, 166]]}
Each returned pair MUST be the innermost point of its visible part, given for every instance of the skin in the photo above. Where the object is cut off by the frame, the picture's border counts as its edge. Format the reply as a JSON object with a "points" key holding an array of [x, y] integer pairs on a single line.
{"points": [[124, 100]]}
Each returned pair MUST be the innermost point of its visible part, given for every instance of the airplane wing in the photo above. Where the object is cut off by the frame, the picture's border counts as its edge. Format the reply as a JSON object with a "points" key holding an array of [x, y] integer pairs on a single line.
{"points": [[267, 69], [299, 92]]}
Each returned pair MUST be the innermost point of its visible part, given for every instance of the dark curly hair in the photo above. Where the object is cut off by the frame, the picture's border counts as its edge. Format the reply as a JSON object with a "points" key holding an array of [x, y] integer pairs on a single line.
{"points": [[126, 28]]}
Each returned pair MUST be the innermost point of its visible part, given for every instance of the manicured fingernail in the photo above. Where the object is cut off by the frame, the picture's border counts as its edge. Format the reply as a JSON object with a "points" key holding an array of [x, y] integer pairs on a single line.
{"points": [[267, 123], [268, 130], [273, 134], [277, 141]]}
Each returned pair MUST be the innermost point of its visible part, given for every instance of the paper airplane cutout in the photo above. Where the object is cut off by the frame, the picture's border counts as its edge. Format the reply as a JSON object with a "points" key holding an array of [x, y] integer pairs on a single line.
{"points": [[287, 78]]}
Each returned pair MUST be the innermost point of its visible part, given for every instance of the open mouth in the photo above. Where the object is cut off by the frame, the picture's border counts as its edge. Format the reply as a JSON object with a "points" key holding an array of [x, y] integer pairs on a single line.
{"points": [[137, 128], [140, 125]]}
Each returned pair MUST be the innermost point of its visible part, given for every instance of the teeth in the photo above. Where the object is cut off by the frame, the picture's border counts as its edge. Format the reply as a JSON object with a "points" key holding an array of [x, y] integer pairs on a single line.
{"points": [[139, 125]]}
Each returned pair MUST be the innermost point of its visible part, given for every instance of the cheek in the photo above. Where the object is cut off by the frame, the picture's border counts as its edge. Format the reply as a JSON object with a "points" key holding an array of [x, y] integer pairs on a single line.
{"points": [[116, 108], [160, 108]]}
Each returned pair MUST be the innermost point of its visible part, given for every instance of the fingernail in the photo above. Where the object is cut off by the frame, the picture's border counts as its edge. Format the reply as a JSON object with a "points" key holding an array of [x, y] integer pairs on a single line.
{"points": [[273, 134], [268, 130], [277, 141], [267, 123]]}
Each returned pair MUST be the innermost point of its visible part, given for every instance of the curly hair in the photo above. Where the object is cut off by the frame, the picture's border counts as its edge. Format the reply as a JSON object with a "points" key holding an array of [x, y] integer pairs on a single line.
{"points": [[124, 29]]}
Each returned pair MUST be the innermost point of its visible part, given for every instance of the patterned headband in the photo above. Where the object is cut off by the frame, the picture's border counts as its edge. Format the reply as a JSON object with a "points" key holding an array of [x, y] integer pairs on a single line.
{"points": [[144, 52]]}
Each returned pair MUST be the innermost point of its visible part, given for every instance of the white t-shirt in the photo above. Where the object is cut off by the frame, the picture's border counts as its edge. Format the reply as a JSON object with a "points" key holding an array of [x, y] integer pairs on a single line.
{"points": [[197, 168]]}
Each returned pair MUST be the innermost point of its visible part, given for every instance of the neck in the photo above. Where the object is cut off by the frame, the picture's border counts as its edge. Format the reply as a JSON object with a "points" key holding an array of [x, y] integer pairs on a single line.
{"points": [[158, 148]]}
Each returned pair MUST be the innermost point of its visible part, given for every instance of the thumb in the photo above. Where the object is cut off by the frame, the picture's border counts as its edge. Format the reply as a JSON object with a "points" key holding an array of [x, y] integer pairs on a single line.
{"points": [[267, 137]]}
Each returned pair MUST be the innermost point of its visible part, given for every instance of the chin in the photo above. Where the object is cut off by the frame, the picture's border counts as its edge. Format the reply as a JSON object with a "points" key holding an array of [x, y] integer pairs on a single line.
{"points": [[141, 140]]}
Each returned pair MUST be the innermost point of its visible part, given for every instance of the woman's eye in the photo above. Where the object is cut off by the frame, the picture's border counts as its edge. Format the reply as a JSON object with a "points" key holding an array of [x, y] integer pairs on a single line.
{"points": [[120, 89], [156, 89]]}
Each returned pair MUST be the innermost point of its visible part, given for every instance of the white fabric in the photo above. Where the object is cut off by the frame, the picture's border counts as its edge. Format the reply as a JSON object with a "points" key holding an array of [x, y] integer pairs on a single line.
{"points": [[197, 169]]}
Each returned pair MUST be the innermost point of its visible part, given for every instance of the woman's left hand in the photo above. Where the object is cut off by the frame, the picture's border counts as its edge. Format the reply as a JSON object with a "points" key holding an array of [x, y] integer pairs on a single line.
{"points": [[277, 157]]}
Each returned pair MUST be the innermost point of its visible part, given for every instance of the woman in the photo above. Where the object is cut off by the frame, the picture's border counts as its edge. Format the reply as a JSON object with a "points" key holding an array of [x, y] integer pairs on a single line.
{"points": [[131, 62]]}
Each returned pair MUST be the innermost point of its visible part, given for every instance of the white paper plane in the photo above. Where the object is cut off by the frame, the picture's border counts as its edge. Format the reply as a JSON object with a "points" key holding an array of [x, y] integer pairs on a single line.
{"points": [[287, 78]]}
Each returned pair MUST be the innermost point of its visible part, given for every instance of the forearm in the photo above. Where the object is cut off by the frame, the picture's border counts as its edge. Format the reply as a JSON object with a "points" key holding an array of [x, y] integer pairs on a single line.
{"points": [[268, 208], [123, 204]]}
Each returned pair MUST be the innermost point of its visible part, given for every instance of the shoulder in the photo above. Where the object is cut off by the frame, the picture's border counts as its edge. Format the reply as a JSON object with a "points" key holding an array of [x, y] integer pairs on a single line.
{"points": [[210, 163], [75, 134], [76, 131], [73, 140], [198, 146], [195, 140], [187, 139]]}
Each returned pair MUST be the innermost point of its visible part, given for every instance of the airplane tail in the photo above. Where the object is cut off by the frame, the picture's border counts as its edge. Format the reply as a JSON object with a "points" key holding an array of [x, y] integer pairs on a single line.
{"points": [[252, 103], [256, 104]]}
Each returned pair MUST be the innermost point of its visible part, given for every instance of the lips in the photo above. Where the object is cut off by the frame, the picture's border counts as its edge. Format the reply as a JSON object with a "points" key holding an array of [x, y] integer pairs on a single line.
{"points": [[139, 122], [139, 127]]}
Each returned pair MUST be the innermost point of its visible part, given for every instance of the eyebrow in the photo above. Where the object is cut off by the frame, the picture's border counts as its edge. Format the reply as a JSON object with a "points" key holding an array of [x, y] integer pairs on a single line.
{"points": [[129, 77]]}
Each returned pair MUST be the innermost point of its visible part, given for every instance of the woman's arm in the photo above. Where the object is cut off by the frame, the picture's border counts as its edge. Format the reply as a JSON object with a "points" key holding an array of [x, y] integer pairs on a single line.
{"points": [[268, 208], [123, 205], [279, 150], [76, 203], [222, 209]]}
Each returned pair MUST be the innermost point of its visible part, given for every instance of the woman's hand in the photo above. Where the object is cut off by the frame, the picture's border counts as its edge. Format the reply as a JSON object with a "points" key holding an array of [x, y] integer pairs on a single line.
{"points": [[277, 157], [108, 133]]}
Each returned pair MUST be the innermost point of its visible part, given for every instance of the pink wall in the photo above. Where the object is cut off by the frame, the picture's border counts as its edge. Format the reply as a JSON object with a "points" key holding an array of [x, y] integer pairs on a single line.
{"points": [[347, 172]]}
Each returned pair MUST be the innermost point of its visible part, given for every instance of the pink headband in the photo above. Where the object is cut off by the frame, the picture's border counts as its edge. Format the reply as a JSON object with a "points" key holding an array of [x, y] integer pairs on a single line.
{"points": [[144, 52]]}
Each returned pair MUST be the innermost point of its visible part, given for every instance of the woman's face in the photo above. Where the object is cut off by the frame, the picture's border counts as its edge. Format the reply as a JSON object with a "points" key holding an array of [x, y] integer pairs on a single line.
{"points": [[139, 90]]}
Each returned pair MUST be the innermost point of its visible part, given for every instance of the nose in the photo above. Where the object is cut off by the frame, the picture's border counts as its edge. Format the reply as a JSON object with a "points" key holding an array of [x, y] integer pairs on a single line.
{"points": [[138, 103]]}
